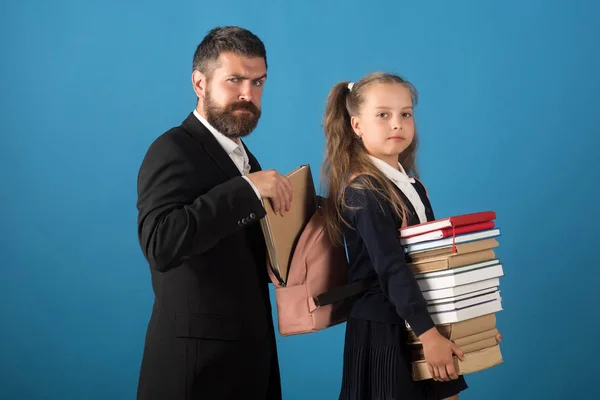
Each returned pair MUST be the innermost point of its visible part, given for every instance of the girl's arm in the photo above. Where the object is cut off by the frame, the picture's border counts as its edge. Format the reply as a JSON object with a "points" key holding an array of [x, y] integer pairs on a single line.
{"points": [[375, 222]]}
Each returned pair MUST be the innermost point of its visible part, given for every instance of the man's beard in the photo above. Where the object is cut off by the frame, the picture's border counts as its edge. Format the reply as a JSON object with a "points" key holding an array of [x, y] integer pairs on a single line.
{"points": [[231, 124]]}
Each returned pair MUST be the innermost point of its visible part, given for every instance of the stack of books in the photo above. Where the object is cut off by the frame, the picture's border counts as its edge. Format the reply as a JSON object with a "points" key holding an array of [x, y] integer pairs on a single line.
{"points": [[456, 267]]}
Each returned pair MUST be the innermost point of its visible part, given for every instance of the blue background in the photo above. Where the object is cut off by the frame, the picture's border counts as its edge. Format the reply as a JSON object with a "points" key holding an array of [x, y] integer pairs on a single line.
{"points": [[508, 121]]}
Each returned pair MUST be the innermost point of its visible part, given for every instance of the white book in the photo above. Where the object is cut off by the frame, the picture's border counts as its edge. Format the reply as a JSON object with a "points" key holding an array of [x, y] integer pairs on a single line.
{"points": [[460, 276], [463, 314], [464, 296], [425, 237], [467, 237], [457, 304], [460, 290]]}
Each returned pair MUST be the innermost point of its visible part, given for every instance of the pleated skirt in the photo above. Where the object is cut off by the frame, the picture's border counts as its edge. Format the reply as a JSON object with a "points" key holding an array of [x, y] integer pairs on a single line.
{"points": [[377, 366]]}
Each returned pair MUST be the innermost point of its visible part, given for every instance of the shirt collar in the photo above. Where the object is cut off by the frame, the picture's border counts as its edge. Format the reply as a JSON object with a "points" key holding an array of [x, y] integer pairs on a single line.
{"points": [[228, 144], [398, 176]]}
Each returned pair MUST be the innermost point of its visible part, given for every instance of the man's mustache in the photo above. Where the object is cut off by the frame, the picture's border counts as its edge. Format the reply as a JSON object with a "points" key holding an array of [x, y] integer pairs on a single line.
{"points": [[243, 105]]}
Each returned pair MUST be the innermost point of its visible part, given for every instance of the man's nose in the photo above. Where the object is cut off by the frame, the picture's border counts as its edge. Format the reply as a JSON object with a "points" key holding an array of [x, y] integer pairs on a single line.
{"points": [[246, 91]]}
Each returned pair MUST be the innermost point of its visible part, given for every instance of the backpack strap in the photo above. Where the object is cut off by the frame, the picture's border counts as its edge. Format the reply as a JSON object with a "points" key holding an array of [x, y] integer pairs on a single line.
{"points": [[343, 292]]}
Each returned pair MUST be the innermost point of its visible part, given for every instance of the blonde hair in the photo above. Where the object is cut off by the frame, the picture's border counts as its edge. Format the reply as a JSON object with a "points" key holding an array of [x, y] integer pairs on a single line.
{"points": [[346, 156]]}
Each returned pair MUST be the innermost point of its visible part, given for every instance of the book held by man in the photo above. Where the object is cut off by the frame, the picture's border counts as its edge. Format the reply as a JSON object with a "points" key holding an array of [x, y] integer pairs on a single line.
{"points": [[282, 232]]}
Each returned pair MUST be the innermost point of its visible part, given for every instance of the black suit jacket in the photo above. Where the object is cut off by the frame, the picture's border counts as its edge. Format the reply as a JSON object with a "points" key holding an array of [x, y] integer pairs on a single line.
{"points": [[211, 333]]}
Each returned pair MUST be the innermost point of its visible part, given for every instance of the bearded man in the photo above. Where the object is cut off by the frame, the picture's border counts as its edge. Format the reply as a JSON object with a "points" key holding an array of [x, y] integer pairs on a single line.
{"points": [[200, 200]]}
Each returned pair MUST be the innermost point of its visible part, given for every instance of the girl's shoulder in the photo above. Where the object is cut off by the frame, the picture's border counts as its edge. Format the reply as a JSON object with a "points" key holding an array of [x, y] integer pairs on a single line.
{"points": [[363, 181], [363, 190]]}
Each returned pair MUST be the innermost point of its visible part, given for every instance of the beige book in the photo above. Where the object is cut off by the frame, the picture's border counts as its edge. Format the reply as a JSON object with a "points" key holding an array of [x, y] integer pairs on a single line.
{"points": [[464, 341], [446, 251], [461, 329], [418, 353], [479, 345], [282, 232], [467, 340], [473, 362], [452, 261]]}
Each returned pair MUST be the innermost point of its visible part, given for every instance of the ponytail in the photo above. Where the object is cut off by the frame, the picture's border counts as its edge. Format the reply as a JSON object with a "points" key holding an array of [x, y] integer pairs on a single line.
{"points": [[346, 156], [342, 146]]}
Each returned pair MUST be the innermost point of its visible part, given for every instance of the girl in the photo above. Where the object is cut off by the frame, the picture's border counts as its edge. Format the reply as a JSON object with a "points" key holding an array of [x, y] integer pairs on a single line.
{"points": [[370, 151]]}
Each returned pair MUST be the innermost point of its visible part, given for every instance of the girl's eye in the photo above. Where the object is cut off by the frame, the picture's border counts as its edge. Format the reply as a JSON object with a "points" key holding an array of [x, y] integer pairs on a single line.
{"points": [[407, 115], [382, 115]]}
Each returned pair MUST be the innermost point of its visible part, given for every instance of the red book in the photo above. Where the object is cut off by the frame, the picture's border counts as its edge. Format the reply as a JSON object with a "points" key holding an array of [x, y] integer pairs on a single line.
{"points": [[450, 222], [446, 232]]}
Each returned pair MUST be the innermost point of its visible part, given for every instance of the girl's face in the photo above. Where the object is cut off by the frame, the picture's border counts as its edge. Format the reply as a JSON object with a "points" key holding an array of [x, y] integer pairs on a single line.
{"points": [[385, 121]]}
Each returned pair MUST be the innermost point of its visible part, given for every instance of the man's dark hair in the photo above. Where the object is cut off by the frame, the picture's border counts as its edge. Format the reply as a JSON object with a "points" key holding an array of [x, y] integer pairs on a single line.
{"points": [[227, 39]]}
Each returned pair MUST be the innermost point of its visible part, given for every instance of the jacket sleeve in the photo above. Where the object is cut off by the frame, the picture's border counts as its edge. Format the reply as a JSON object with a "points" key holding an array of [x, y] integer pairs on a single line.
{"points": [[375, 222], [174, 223]]}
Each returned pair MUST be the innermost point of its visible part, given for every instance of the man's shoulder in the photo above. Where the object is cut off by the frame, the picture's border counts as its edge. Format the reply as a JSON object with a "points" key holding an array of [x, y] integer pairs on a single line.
{"points": [[173, 138]]}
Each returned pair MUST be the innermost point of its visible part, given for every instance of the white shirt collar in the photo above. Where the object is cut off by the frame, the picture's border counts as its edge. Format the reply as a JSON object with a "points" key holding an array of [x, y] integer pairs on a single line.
{"points": [[403, 182], [228, 144], [398, 176]]}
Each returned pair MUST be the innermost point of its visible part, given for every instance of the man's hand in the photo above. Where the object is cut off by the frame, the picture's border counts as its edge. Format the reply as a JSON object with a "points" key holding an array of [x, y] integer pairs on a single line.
{"points": [[274, 186]]}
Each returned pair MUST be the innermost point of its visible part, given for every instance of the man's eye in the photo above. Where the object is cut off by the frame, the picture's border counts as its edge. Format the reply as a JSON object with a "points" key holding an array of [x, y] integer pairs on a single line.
{"points": [[258, 83]]}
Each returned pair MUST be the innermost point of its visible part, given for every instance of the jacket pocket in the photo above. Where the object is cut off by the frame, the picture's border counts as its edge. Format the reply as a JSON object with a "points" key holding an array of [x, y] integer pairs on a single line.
{"points": [[207, 327]]}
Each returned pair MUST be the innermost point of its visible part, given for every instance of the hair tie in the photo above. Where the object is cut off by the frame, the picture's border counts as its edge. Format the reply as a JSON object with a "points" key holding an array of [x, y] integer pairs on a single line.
{"points": [[350, 86]]}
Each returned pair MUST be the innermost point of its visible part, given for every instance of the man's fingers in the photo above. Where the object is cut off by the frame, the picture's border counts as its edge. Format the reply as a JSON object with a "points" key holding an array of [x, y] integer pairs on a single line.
{"points": [[282, 200], [288, 196], [276, 204], [287, 187], [279, 191], [286, 191], [290, 190]]}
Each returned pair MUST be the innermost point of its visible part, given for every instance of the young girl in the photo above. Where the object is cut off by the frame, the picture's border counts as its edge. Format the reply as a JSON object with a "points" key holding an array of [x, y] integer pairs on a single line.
{"points": [[368, 170]]}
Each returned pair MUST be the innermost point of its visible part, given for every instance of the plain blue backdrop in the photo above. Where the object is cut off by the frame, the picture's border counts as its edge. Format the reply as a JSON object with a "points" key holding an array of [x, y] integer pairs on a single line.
{"points": [[508, 121]]}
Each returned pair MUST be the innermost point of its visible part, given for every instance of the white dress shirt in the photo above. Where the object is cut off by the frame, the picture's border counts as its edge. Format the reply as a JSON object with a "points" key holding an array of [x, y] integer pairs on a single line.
{"points": [[404, 183], [234, 149]]}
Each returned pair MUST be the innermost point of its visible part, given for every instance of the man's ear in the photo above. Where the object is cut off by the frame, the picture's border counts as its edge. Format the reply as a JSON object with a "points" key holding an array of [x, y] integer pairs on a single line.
{"points": [[199, 83], [355, 122]]}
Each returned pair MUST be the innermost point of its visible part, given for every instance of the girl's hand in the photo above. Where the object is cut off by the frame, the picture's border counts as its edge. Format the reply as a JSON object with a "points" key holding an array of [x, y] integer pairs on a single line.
{"points": [[438, 353]]}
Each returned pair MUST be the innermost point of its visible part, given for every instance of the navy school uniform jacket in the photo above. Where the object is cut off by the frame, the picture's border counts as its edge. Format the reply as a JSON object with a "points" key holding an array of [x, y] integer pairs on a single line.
{"points": [[374, 251]]}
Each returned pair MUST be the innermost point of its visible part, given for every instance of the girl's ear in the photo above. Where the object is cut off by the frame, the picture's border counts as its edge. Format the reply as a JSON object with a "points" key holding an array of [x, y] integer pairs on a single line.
{"points": [[355, 122]]}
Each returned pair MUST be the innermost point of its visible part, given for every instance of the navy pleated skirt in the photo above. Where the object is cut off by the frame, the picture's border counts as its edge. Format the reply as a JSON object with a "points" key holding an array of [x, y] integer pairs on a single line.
{"points": [[377, 366]]}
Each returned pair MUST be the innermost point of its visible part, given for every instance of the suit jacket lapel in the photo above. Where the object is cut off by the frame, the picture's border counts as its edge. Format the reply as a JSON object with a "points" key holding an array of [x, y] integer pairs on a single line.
{"points": [[254, 165], [214, 149]]}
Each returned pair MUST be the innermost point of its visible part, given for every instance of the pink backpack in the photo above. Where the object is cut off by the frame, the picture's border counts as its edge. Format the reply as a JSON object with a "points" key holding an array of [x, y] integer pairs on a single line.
{"points": [[317, 294]]}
